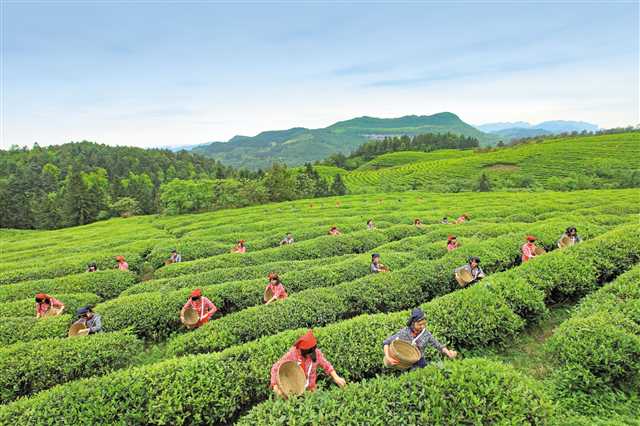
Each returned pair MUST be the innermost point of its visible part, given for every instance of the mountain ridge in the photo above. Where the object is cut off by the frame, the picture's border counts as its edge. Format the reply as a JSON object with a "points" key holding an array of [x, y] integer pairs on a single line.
{"points": [[298, 145]]}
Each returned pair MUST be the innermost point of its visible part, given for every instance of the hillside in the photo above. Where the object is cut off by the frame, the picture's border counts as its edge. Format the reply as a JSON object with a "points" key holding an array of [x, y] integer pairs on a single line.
{"points": [[137, 371], [521, 129], [603, 161], [300, 145]]}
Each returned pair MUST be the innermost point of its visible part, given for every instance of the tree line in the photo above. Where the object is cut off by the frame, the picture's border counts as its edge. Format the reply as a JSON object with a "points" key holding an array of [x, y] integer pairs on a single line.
{"points": [[426, 142], [79, 183]]}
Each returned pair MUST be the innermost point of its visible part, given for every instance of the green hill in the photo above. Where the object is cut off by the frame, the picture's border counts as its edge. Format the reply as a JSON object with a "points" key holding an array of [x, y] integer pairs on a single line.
{"points": [[603, 161], [299, 145]]}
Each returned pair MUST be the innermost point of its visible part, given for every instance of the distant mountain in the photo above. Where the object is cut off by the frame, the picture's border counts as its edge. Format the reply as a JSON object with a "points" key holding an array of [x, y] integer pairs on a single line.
{"points": [[522, 129], [299, 145], [518, 133], [178, 148], [496, 127], [561, 126]]}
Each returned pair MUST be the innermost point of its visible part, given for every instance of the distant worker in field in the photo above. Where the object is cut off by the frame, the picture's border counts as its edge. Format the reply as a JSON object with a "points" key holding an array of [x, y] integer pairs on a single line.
{"points": [[452, 243], [337, 203], [334, 231], [306, 354], [417, 222], [122, 264], [201, 305], [239, 248], [370, 225], [469, 273], [88, 318], [175, 257], [462, 219], [92, 267], [288, 239], [529, 249], [416, 334], [444, 221], [48, 305], [274, 290], [376, 266], [569, 238]]}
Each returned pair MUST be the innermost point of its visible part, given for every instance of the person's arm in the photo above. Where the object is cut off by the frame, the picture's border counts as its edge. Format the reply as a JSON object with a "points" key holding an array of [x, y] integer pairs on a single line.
{"points": [[97, 324], [179, 258], [210, 307], [328, 368], [439, 346], [480, 272]]}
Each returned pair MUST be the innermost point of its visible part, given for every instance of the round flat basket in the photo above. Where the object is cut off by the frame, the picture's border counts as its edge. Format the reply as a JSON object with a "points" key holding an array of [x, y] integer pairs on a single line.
{"points": [[268, 294], [75, 330], [464, 277], [291, 379], [52, 312], [191, 317], [404, 352], [539, 251], [565, 241]]}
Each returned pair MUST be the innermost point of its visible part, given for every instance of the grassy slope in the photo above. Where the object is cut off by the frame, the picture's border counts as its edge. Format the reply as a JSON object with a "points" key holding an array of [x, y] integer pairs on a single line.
{"points": [[603, 159]]}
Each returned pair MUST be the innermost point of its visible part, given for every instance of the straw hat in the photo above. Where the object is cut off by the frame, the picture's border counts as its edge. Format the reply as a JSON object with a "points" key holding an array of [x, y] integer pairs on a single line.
{"points": [[191, 317], [463, 277], [268, 294], [291, 379], [76, 328], [404, 352], [539, 251]]}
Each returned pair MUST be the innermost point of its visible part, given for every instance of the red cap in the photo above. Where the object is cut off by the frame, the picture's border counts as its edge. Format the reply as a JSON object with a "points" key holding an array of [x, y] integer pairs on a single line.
{"points": [[41, 296], [120, 258], [196, 293], [272, 275], [306, 341], [241, 241], [451, 237], [531, 238]]}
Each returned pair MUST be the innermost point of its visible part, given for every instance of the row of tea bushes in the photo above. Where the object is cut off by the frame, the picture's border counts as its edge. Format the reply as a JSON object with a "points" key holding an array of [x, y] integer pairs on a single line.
{"points": [[473, 391], [105, 284], [596, 353], [34, 366]]}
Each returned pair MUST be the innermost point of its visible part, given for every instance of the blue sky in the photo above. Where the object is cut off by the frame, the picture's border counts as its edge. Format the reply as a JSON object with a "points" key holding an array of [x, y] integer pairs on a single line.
{"points": [[159, 73]]}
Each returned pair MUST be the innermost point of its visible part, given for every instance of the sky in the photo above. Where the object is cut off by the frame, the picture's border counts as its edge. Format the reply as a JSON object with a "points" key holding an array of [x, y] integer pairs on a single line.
{"points": [[158, 73]]}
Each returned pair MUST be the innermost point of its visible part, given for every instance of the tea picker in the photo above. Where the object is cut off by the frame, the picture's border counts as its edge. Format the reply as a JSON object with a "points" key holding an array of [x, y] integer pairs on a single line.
{"points": [[469, 273], [296, 371], [405, 349], [197, 311]]}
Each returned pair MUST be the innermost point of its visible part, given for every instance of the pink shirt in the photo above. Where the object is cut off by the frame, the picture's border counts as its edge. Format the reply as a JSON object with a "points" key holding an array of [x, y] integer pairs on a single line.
{"points": [[242, 249], [452, 246], [461, 219], [204, 307], [528, 251], [123, 266], [42, 308], [278, 291], [334, 232], [310, 368]]}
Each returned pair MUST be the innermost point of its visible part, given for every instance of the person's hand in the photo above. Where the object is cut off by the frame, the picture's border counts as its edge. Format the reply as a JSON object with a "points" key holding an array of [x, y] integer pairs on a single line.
{"points": [[340, 381], [279, 392], [450, 353], [393, 361]]}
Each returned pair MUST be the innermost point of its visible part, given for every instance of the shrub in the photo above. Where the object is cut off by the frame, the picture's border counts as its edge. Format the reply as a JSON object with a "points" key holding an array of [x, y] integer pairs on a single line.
{"points": [[31, 367], [475, 391], [23, 329], [106, 284]]}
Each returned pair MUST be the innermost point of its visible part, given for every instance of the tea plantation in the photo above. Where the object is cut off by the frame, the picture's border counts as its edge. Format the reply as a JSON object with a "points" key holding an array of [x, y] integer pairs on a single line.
{"points": [[147, 368]]}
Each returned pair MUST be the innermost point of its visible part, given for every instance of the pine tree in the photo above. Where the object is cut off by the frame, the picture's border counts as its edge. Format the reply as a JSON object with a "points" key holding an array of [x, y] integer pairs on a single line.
{"points": [[338, 187]]}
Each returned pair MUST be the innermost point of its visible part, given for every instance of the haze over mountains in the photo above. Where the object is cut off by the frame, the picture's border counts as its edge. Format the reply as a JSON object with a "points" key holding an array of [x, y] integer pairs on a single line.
{"points": [[299, 145]]}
